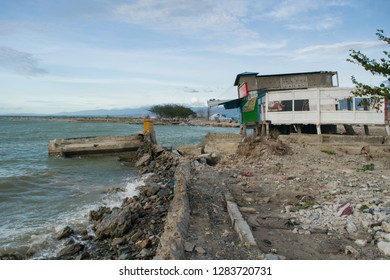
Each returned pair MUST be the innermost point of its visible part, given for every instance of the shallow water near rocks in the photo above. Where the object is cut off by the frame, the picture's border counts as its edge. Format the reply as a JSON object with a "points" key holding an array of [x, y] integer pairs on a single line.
{"points": [[39, 195]]}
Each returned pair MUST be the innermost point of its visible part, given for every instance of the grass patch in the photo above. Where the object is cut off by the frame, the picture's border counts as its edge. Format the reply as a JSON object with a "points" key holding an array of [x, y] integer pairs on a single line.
{"points": [[367, 167], [306, 204], [328, 152], [364, 207]]}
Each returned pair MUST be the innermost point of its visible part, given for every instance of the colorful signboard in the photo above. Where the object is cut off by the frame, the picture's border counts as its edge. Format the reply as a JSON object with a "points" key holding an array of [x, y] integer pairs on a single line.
{"points": [[243, 90], [249, 109]]}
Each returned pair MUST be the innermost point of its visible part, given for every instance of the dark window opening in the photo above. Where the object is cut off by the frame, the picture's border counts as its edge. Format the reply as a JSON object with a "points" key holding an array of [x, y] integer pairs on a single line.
{"points": [[287, 105], [301, 105]]}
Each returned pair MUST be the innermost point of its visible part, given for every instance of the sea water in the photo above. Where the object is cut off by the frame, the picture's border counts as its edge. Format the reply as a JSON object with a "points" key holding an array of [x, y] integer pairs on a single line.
{"points": [[40, 195]]}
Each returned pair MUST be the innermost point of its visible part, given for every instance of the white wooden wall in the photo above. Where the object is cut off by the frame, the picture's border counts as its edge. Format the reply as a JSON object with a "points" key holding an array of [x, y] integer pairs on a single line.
{"points": [[322, 104]]}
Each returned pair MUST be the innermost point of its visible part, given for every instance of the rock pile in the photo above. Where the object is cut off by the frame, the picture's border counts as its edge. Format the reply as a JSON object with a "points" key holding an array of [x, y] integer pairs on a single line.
{"points": [[133, 230]]}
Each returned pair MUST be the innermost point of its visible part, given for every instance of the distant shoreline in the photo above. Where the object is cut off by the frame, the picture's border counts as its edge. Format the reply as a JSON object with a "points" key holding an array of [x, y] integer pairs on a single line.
{"points": [[129, 120]]}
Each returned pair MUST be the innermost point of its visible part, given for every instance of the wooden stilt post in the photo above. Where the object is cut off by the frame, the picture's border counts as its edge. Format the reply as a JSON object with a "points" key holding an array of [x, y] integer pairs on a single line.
{"points": [[366, 130], [318, 129]]}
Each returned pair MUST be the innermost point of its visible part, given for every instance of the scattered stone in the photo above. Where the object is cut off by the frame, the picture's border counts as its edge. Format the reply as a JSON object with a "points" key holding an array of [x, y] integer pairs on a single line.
{"points": [[12, 257], [360, 242], [266, 199], [117, 241], [66, 232], [271, 257], [70, 250], [351, 228], [96, 215], [252, 221], [83, 256], [386, 227], [281, 257], [350, 250], [305, 226], [144, 253], [158, 150], [142, 244], [249, 199], [144, 160], [124, 256], [200, 250], [190, 150], [115, 224], [150, 190], [136, 235], [248, 210], [115, 190], [387, 237], [189, 247], [384, 247]]}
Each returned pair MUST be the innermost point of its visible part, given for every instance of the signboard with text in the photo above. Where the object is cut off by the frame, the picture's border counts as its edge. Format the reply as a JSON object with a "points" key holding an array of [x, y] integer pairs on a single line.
{"points": [[243, 90]]}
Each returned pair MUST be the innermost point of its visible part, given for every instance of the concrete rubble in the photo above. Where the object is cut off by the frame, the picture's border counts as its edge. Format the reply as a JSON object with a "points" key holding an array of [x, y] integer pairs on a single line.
{"points": [[332, 192]]}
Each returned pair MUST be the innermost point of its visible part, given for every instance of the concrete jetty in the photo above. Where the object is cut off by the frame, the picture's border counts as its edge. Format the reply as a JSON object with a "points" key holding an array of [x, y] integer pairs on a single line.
{"points": [[95, 145], [123, 146]]}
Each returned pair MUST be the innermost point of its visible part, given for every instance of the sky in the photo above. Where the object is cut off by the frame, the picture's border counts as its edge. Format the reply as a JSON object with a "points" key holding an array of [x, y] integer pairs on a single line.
{"points": [[72, 55]]}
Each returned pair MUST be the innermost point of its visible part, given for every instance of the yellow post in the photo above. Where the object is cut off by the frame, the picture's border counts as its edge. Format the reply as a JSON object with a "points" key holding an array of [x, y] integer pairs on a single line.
{"points": [[149, 130], [148, 125]]}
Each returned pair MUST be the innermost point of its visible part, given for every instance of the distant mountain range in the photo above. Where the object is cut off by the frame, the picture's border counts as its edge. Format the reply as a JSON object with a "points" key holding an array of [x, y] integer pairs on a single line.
{"points": [[127, 112]]}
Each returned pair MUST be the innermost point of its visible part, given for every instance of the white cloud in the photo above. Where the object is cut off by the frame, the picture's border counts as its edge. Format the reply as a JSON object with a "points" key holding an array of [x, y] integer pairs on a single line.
{"points": [[339, 47], [313, 23], [308, 14], [20, 62], [184, 16], [255, 48]]}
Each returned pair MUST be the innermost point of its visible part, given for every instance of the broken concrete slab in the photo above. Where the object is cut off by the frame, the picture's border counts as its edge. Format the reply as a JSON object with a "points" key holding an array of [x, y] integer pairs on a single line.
{"points": [[94, 145]]}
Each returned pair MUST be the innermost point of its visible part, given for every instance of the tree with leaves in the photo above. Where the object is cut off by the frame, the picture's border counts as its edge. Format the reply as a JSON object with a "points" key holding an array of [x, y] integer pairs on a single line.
{"points": [[172, 111], [374, 95]]}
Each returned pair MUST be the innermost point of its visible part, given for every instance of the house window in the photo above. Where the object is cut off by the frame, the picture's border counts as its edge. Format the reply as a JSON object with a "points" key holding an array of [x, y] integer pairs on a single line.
{"points": [[287, 105], [301, 105], [362, 104], [345, 104], [279, 106]]}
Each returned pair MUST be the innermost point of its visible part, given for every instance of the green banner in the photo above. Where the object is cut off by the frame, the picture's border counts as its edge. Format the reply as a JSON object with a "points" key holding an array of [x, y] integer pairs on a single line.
{"points": [[250, 109]]}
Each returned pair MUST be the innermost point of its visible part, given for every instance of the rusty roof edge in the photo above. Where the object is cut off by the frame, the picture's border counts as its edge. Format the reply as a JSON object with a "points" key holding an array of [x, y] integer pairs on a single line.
{"points": [[299, 73]]}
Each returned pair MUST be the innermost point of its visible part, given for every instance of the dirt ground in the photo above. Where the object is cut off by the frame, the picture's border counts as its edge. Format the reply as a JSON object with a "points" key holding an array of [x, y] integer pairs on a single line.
{"points": [[292, 196]]}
